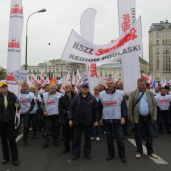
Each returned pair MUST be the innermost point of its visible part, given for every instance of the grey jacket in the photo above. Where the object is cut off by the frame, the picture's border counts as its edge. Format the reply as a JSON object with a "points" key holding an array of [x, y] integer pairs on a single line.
{"points": [[133, 98]]}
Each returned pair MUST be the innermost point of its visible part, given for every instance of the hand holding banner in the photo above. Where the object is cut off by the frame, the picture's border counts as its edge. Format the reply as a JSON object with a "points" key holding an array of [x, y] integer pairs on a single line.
{"points": [[20, 78]]}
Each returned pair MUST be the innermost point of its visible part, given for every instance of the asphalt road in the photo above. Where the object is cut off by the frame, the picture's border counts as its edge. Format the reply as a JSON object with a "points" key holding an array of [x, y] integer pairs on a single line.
{"points": [[33, 158]]}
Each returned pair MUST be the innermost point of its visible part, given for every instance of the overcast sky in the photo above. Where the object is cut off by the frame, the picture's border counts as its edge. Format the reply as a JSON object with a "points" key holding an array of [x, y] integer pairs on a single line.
{"points": [[54, 26]]}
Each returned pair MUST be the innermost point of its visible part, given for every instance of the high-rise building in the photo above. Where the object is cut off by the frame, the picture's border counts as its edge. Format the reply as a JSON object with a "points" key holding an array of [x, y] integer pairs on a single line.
{"points": [[159, 50]]}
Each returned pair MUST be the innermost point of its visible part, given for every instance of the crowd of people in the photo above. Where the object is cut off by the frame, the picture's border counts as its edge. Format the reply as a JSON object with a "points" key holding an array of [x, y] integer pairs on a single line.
{"points": [[109, 110]]}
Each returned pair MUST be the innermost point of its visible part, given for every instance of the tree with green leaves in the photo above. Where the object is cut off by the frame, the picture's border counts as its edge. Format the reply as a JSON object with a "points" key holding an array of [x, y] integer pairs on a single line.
{"points": [[2, 75]]}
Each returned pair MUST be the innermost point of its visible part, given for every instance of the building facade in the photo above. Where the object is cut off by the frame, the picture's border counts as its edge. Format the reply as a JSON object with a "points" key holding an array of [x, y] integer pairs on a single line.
{"points": [[159, 50], [116, 68], [55, 67]]}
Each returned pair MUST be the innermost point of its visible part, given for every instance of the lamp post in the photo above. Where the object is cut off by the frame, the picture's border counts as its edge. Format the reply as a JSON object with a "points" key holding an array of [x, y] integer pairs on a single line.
{"points": [[42, 10]]}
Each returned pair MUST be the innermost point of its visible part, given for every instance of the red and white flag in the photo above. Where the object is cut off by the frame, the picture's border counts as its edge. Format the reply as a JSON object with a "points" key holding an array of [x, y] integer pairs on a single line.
{"points": [[42, 78], [34, 79], [146, 77], [68, 78], [150, 81]]}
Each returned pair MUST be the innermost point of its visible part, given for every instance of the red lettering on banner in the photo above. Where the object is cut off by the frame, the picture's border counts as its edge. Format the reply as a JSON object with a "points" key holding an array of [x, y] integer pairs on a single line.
{"points": [[10, 77], [24, 101], [14, 44], [93, 70], [17, 10], [129, 36], [111, 103], [51, 102], [126, 25], [164, 101]]}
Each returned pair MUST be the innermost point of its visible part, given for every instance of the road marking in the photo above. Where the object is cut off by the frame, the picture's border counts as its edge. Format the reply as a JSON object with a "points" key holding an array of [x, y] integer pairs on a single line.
{"points": [[158, 161], [19, 137]]}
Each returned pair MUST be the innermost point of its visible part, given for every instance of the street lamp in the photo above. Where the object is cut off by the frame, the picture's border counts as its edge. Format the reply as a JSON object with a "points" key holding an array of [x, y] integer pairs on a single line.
{"points": [[42, 10]]}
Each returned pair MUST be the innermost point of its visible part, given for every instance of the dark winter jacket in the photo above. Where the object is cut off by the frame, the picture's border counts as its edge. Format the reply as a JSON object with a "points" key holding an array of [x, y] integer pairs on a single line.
{"points": [[91, 110], [64, 103], [9, 113]]}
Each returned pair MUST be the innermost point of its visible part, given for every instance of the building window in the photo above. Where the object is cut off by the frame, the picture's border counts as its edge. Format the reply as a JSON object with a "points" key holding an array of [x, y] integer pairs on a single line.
{"points": [[166, 41], [166, 33], [157, 67], [169, 58], [169, 66], [120, 73], [157, 50], [157, 58], [163, 58], [163, 42], [101, 74], [115, 72], [157, 42], [169, 33], [157, 75], [163, 66], [166, 58], [163, 33], [163, 50], [106, 74], [166, 66], [157, 34], [169, 41]]}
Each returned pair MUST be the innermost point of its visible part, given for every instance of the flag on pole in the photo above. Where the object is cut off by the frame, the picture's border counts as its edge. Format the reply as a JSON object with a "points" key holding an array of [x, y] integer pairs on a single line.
{"points": [[68, 78], [146, 77], [79, 76], [154, 83], [42, 78], [150, 81], [162, 82], [53, 81], [73, 79], [34, 79]]}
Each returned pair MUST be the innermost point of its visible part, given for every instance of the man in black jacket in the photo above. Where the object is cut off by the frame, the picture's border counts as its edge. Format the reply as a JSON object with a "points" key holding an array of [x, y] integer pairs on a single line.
{"points": [[83, 114], [64, 103], [8, 104]]}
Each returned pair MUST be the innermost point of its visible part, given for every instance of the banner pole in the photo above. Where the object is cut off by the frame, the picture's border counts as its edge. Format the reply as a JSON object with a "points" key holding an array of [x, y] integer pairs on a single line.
{"points": [[16, 107]]}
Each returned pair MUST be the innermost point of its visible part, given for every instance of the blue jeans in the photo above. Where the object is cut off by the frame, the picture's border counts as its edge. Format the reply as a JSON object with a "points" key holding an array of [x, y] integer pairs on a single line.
{"points": [[118, 130], [78, 130], [95, 131], [144, 123]]}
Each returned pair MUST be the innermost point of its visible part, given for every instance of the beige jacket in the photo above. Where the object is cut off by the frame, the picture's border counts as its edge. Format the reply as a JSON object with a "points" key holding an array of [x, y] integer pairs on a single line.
{"points": [[133, 98]]}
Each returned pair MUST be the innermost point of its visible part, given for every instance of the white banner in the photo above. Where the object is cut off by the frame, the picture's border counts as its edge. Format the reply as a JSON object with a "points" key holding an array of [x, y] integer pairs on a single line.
{"points": [[81, 51], [20, 76], [87, 32], [130, 65], [14, 44]]}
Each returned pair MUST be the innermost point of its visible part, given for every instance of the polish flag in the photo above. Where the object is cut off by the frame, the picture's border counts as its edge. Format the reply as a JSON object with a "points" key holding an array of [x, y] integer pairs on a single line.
{"points": [[150, 81], [146, 77]]}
